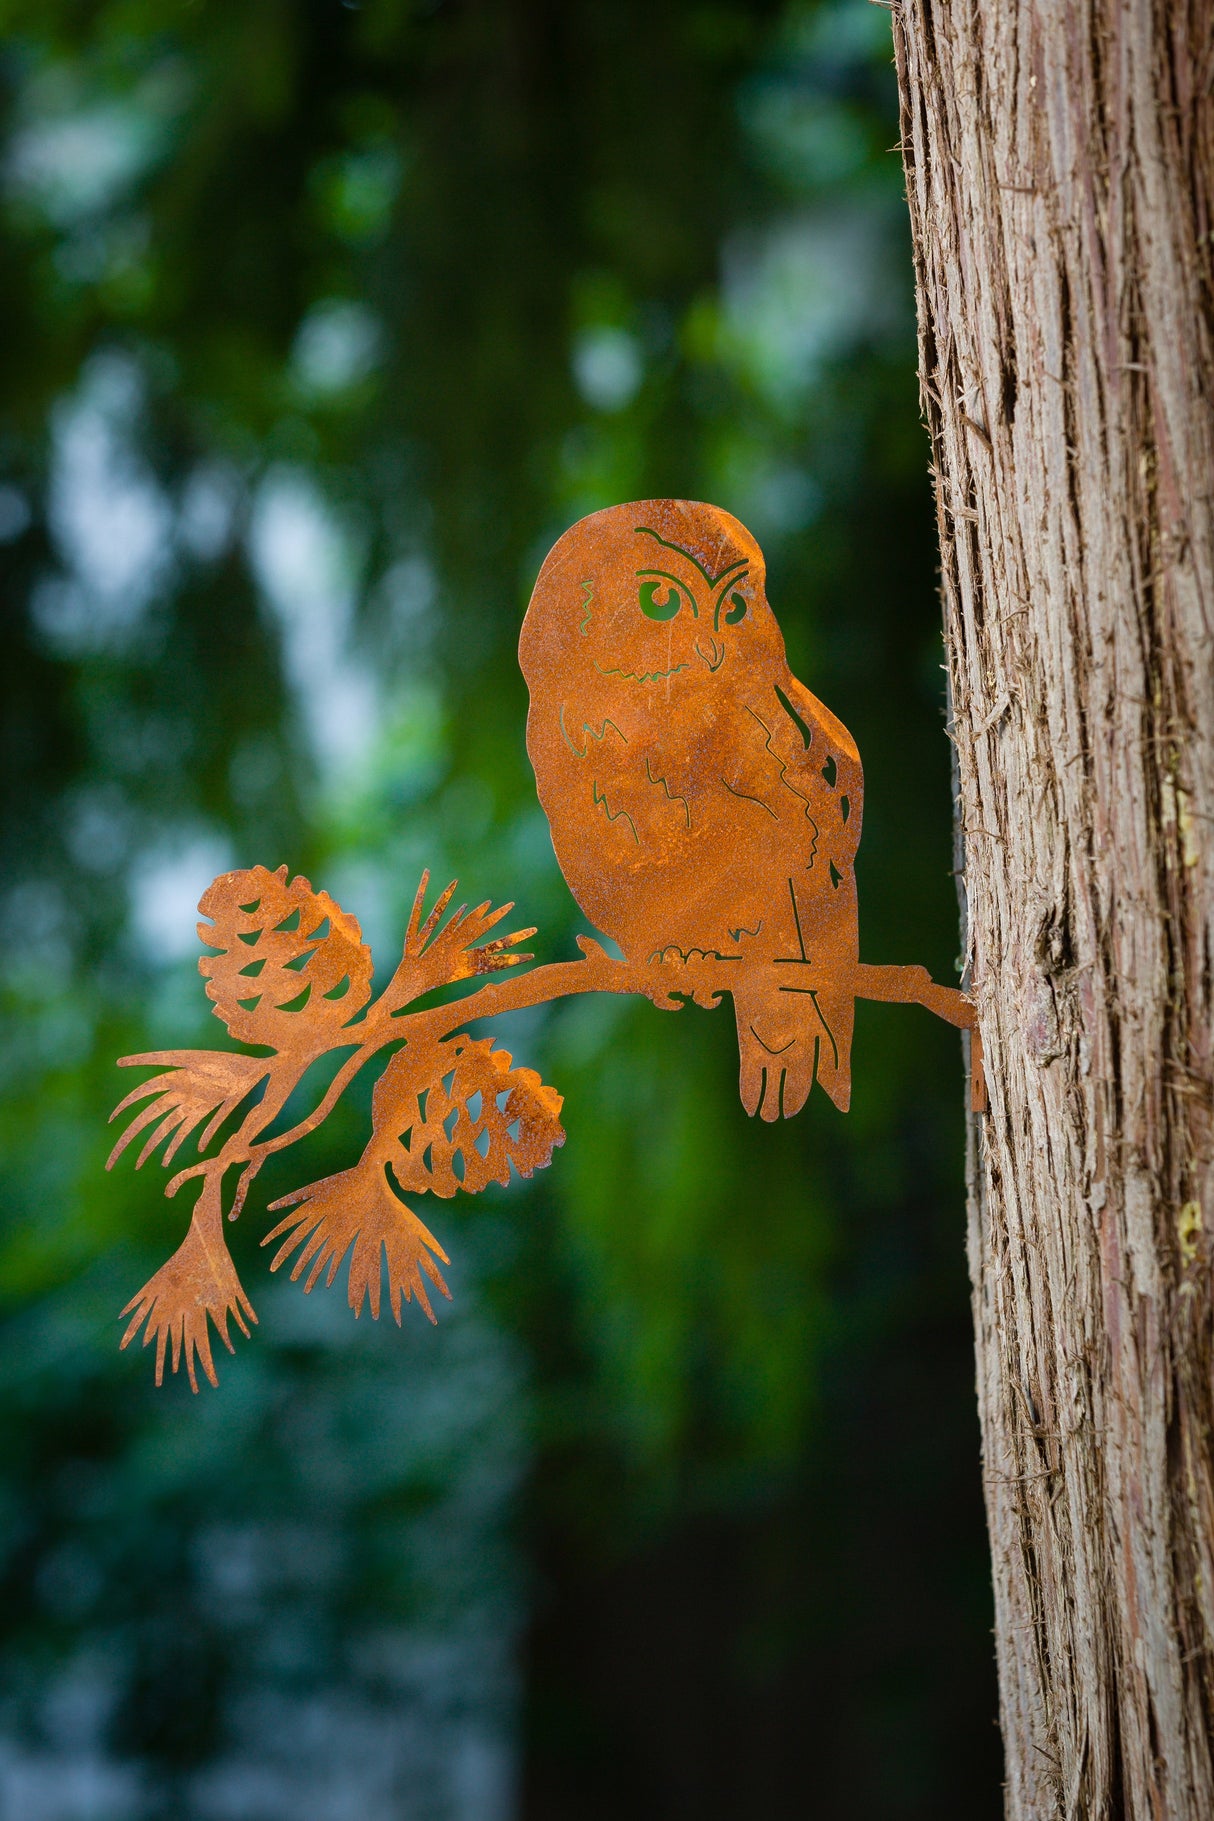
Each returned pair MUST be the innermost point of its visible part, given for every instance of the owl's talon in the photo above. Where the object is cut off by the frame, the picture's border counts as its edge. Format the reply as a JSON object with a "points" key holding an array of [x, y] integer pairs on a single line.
{"points": [[771, 1106], [795, 1088], [752, 1086]]}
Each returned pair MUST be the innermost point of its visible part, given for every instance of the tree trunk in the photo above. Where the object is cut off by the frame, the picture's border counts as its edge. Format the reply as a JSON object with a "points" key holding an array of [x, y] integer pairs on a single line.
{"points": [[1060, 170]]}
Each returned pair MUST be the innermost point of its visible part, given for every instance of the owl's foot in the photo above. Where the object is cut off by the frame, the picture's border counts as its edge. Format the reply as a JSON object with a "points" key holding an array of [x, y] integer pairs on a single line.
{"points": [[784, 1048], [777, 1086]]}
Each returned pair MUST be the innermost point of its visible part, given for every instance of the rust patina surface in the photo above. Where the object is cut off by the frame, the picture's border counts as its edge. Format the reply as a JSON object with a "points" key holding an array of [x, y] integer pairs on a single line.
{"points": [[705, 809], [703, 803]]}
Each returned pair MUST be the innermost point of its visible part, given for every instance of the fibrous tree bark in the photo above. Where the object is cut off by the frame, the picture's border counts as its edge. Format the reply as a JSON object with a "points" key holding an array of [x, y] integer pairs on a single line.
{"points": [[1060, 174]]}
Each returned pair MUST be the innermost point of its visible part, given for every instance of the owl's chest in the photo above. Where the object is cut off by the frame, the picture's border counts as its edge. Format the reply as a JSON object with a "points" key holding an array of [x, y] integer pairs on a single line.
{"points": [[685, 828]]}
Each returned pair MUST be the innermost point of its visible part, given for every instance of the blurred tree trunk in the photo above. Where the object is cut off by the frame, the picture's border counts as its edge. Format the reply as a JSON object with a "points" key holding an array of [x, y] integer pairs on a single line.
{"points": [[1060, 170]]}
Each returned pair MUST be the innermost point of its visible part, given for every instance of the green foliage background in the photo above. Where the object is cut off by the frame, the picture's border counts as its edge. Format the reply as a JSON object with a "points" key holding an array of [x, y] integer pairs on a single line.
{"points": [[322, 321]]}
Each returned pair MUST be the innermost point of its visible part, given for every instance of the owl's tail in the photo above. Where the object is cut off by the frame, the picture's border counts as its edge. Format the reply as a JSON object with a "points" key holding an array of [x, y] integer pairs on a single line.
{"points": [[788, 1034]]}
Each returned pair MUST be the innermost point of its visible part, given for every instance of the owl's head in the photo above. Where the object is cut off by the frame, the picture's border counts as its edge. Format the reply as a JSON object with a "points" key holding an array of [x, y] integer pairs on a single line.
{"points": [[658, 591]]}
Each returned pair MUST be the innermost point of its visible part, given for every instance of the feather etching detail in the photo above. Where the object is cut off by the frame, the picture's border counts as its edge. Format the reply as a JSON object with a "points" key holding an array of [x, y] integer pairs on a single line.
{"points": [[707, 823]]}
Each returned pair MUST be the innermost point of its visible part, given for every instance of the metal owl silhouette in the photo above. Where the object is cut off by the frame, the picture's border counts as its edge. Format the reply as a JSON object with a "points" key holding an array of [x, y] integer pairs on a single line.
{"points": [[702, 802], [705, 810]]}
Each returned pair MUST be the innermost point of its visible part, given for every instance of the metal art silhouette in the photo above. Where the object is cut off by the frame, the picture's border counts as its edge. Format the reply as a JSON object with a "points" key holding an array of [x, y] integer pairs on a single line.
{"points": [[705, 809]]}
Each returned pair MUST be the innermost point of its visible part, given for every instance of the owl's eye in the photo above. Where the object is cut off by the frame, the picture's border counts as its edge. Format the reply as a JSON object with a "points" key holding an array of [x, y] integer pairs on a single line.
{"points": [[736, 610], [661, 600]]}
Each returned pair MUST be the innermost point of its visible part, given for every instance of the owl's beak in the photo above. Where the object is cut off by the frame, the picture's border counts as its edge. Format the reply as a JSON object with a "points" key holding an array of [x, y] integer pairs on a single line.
{"points": [[714, 656]]}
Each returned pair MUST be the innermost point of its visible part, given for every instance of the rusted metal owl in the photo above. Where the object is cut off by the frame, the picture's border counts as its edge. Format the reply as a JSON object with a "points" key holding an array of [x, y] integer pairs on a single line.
{"points": [[702, 802], [705, 809]]}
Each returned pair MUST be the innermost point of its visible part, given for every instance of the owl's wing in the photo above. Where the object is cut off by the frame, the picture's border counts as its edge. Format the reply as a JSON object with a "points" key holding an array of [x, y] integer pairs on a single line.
{"points": [[833, 756], [795, 1017], [790, 748]]}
